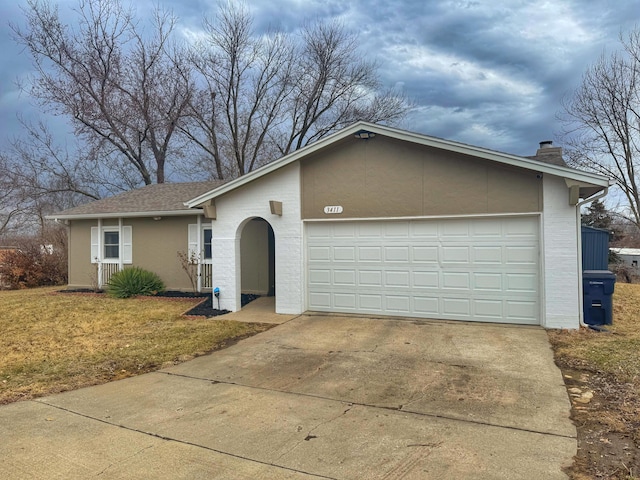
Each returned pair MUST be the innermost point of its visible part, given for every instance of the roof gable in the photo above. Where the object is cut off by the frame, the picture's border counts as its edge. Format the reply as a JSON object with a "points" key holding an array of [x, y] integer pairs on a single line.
{"points": [[589, 183]]}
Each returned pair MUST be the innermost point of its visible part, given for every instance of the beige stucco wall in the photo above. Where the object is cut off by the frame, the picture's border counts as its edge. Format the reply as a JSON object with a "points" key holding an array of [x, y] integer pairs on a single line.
{"points": [[82, 272], [254, 247], [382, 177], [155, 247]]}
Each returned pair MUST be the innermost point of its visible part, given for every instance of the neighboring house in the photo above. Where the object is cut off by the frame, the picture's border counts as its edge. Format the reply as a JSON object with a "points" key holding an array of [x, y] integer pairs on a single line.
{"points": [[628, 256], [371, 220]]}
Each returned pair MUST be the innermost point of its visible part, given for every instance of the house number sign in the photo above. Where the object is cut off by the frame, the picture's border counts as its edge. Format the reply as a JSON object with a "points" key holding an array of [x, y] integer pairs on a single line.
{"points": [[333, 209]]}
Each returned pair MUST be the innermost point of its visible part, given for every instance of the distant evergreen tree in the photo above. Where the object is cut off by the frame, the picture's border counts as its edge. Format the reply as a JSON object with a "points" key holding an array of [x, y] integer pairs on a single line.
{"points": [[597, 216]]}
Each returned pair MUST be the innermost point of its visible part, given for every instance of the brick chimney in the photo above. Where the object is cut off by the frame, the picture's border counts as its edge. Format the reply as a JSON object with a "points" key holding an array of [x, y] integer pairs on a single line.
{"points": [[547, 153]]}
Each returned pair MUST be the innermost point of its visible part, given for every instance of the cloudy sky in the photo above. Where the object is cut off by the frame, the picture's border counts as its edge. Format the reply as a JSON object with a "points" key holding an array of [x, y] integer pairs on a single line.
{"points": [[489, 73]]}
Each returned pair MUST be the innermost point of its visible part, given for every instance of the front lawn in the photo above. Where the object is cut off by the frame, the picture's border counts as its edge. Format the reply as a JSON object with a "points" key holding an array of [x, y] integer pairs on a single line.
{"points": [[52, 342], [602, 373]]}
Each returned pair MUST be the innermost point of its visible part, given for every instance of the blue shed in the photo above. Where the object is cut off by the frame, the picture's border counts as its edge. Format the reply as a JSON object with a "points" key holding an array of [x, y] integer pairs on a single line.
{"points": [[595, 248]]}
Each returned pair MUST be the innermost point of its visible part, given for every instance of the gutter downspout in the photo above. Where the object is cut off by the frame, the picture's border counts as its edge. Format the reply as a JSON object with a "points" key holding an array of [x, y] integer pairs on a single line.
{"points": [[579, 243]]}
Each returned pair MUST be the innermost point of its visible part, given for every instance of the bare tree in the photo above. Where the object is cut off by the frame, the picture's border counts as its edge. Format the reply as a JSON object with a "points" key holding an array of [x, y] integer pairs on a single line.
{"points": [[40, 177], [602, 121], [125, 92], [335, 85], [270, 94], [11, 208], [142, 106], [246, 79]]}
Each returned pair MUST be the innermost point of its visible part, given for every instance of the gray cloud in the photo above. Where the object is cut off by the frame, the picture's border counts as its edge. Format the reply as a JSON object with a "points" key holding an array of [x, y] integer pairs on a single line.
{"points": [[486, 73]]}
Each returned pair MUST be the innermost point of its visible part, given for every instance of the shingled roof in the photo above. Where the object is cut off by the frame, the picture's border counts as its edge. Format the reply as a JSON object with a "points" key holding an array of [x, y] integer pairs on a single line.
{"points": [[163, 198]]}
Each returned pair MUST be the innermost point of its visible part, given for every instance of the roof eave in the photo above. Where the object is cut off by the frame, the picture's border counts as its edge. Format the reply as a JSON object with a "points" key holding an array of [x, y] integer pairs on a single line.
{"points": [[160, 213]]}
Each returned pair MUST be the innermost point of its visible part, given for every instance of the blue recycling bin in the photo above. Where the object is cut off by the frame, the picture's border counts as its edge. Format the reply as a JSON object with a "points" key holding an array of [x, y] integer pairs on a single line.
{"points": [[598, 286]]}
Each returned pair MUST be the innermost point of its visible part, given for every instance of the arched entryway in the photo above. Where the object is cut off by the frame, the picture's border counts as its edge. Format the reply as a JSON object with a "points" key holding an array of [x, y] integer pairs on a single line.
{"points": [[257, 258]]}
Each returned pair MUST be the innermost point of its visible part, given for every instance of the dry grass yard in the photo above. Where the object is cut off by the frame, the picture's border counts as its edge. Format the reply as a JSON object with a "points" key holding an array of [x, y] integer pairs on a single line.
{"points": [[602, 373], [54, 342]]}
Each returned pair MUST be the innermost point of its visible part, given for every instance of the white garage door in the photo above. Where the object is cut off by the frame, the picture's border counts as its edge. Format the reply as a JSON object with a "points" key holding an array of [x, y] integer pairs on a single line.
{"points": [[460, 269]]}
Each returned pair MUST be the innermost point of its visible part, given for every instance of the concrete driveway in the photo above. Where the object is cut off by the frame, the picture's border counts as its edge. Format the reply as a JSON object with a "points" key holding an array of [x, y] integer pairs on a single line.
{"points": [[319, 396]]}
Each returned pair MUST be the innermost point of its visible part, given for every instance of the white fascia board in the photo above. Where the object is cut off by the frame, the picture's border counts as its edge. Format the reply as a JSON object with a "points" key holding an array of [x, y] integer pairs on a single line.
{"points": [[416, 138], [88, 216]]}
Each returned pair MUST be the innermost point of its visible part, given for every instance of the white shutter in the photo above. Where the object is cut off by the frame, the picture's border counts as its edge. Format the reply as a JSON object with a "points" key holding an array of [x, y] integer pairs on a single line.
{"points": [[95, 244], [127, 244], [194, 231]]}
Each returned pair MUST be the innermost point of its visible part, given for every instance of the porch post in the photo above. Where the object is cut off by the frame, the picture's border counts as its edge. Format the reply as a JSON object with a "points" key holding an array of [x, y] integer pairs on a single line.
{"points": [[200, 258], [99, 259]]}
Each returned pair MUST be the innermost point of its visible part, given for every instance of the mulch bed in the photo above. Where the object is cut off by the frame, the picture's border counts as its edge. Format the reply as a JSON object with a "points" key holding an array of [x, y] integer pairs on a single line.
{"points": [[203, 309]]}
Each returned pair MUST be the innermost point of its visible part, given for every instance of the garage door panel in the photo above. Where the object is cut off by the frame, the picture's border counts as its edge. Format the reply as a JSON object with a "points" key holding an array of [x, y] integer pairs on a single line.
{"points": [[398, 304], [370, 230], [458, 280], [487, 281], [426, 306], [320, 277], [344, 277], [455, 254], [460, 269], [396, 254], [371, 303], [522, 255], [345, 300], [370, 278], [320, 300], [491, 229], [399, 279], [369, 254], [454, 230], [487, 254], [344, 254], [488, 308], [521, 310], [521, 282], [320, 254], [344, 230], [456, 307], [396, 229], [521, 227], [424, 230], [425, 254], [426, 279]]}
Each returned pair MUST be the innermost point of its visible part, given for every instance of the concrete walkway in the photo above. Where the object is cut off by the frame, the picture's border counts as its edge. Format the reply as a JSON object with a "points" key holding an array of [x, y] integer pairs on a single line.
{"points": [[331, 397]]}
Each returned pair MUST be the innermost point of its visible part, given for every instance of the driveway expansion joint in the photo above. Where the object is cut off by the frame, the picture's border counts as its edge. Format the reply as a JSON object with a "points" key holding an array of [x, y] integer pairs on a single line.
{"points": [[399, 408], [176, 440]]}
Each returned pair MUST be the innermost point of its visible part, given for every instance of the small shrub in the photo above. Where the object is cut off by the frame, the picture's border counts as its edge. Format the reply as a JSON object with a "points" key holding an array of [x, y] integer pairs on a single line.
{"points": [[134, 281], [189, 263]]}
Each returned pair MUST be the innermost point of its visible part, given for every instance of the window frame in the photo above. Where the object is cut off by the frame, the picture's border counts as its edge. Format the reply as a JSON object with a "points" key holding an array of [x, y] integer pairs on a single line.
{"points": [[124, 246], [105, 246]]}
